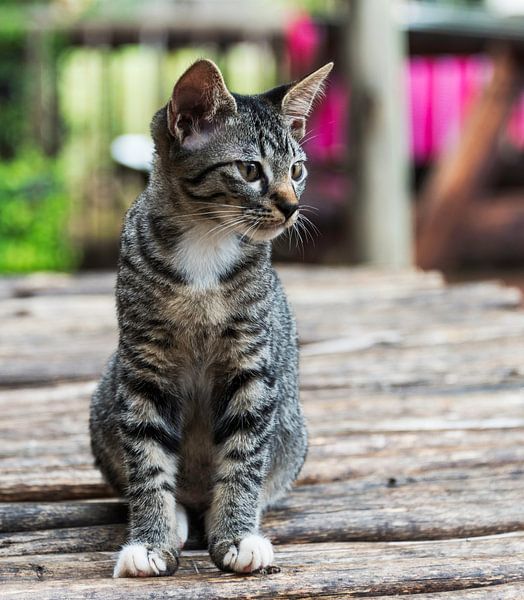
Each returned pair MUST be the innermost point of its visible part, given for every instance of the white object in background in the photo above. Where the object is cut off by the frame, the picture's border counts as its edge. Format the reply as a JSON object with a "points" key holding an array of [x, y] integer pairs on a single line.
{"points": [[507, 8], [134, 151]]}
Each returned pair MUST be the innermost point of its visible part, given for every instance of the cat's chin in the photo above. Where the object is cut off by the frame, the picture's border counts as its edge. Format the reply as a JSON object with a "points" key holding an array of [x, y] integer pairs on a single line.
{"points": [[266, 234]]}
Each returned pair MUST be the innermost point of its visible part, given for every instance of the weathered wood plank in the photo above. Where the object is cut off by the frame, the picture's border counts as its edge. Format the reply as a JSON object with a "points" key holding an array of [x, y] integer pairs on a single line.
{"points": [[414, 397], [45, 454], [508, 591], [30, 404], [311, 570], [491, 362], [410, 509], [376, 456], [50, 284], [442, 505], [55, 284], [57, 462], [411, 310], [330, 411], [66, 539], [32, 517], [392, 459], [471, 364]]}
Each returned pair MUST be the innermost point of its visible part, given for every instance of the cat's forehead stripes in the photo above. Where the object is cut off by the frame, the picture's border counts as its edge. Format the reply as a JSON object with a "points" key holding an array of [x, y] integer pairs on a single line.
{"points": [[269, 132]]}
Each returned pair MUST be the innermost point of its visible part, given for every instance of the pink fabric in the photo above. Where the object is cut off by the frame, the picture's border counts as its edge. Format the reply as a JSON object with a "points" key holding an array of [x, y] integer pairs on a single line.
{"points": [[328, 125], [303, 38], [419, 94], [440, 91]]}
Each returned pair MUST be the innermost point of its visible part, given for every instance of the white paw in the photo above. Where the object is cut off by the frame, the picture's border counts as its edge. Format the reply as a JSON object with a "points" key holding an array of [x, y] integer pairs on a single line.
{"points": [[135, 560], [254, 552], [182, 524]]}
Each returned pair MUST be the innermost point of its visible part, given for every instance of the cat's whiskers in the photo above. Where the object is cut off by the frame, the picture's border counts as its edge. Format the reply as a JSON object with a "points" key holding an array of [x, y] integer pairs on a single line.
{"points": [[222, 227], [221, 209], [291, 233], [297, 232], [310, 135], [254, 226], [309, 207], [194, 218], [220, 204], [310, 224], [307, 233], [208, 213]]}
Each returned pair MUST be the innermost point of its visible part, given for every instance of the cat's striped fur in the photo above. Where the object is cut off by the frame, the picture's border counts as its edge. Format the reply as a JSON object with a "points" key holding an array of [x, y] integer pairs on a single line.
{"points": [[198, 408]]}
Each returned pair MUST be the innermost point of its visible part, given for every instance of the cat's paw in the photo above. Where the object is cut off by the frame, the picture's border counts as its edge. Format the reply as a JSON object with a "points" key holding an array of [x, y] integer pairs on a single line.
{"points": [[137, 560], [252, 553]]}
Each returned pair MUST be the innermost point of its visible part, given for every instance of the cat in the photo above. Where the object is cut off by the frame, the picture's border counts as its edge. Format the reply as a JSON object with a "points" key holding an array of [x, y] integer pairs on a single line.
{"points": [[197, 412]]}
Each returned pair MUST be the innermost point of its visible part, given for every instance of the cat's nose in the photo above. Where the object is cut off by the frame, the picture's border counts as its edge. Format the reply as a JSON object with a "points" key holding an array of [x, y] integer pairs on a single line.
{"points": [[287, 208], [285, 200]]}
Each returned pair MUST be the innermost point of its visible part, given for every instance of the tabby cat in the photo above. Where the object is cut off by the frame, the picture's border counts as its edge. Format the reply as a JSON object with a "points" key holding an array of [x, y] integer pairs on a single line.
{"points": [[197, 412]]}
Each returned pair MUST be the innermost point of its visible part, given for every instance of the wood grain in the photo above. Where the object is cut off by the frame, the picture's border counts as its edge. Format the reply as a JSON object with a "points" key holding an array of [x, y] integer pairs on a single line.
{"points": [[356, 569], [414, 479], [443, 504]]}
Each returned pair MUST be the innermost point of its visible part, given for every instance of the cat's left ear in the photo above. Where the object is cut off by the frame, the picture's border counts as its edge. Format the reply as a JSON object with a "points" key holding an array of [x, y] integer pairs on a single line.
{"points": [[297, 99], [199, 100]]}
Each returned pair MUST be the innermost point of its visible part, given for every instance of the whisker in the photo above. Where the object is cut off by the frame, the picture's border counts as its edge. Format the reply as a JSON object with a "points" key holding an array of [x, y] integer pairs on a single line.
{"points": [[309, 207], [225, 225], [216, 204], [307, 233], [208, 213], [222, 227], [299, 237], [258, 226], [310, 223], [249, 230], [309, 138], [309, 133], [300, 227]]}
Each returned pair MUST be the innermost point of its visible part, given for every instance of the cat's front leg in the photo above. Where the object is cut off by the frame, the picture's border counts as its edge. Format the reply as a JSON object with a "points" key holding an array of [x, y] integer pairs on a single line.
{"points": [[157, 524], [139, 558], [243, 432]]}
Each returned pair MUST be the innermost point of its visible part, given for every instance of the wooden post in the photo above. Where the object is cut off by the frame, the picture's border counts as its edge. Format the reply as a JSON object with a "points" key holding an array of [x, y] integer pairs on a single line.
{"points": [[380, 212]]}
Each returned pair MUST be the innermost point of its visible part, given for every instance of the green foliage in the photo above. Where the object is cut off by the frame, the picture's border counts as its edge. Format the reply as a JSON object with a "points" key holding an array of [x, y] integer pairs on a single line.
{"points": [[12, 92], [34, 210]]}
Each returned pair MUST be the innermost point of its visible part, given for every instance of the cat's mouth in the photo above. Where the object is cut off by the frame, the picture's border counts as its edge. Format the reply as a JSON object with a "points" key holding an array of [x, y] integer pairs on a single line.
{"points": [[265, 232], [269, 229], [268, 233]]}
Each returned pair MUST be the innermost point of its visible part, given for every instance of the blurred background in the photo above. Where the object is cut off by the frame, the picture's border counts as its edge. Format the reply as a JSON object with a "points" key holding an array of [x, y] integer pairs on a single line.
{"points": [[415, 154]]}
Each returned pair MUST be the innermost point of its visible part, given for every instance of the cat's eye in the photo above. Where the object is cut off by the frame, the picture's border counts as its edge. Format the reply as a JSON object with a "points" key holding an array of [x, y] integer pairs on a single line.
{"points": [[250, 171], [298, 171]]}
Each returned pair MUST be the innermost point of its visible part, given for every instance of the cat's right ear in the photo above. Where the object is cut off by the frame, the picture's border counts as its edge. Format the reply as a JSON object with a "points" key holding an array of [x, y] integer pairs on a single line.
{"points": [[199, 99], [295, 100]]}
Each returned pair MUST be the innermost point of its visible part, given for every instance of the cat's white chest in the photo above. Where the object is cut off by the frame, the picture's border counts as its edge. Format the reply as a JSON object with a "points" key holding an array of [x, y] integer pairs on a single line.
{"points": [[203, 258]]}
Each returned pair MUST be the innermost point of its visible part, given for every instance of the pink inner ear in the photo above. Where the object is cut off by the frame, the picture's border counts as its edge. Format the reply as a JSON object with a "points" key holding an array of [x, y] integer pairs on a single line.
{"points": [[184, 124], [190, 100], [297, 123], [199, 99], [298, 126], [188, 110]]}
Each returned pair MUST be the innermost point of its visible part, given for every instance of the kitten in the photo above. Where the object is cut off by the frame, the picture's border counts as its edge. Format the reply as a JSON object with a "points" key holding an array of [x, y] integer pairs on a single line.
{"points": [[197, 411]]}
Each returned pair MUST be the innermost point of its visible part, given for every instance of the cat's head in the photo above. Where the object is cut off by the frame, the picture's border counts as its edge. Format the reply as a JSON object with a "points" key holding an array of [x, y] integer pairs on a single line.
{"points": [[235, 161]]}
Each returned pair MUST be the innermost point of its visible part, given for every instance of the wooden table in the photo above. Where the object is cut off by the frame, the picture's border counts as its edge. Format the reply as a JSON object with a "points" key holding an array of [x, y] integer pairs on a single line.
{"points": [[414, 482]]}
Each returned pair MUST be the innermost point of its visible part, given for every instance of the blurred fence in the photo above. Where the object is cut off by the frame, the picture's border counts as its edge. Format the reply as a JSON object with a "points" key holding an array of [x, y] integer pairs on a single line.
{"points": [[70, 86]]}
